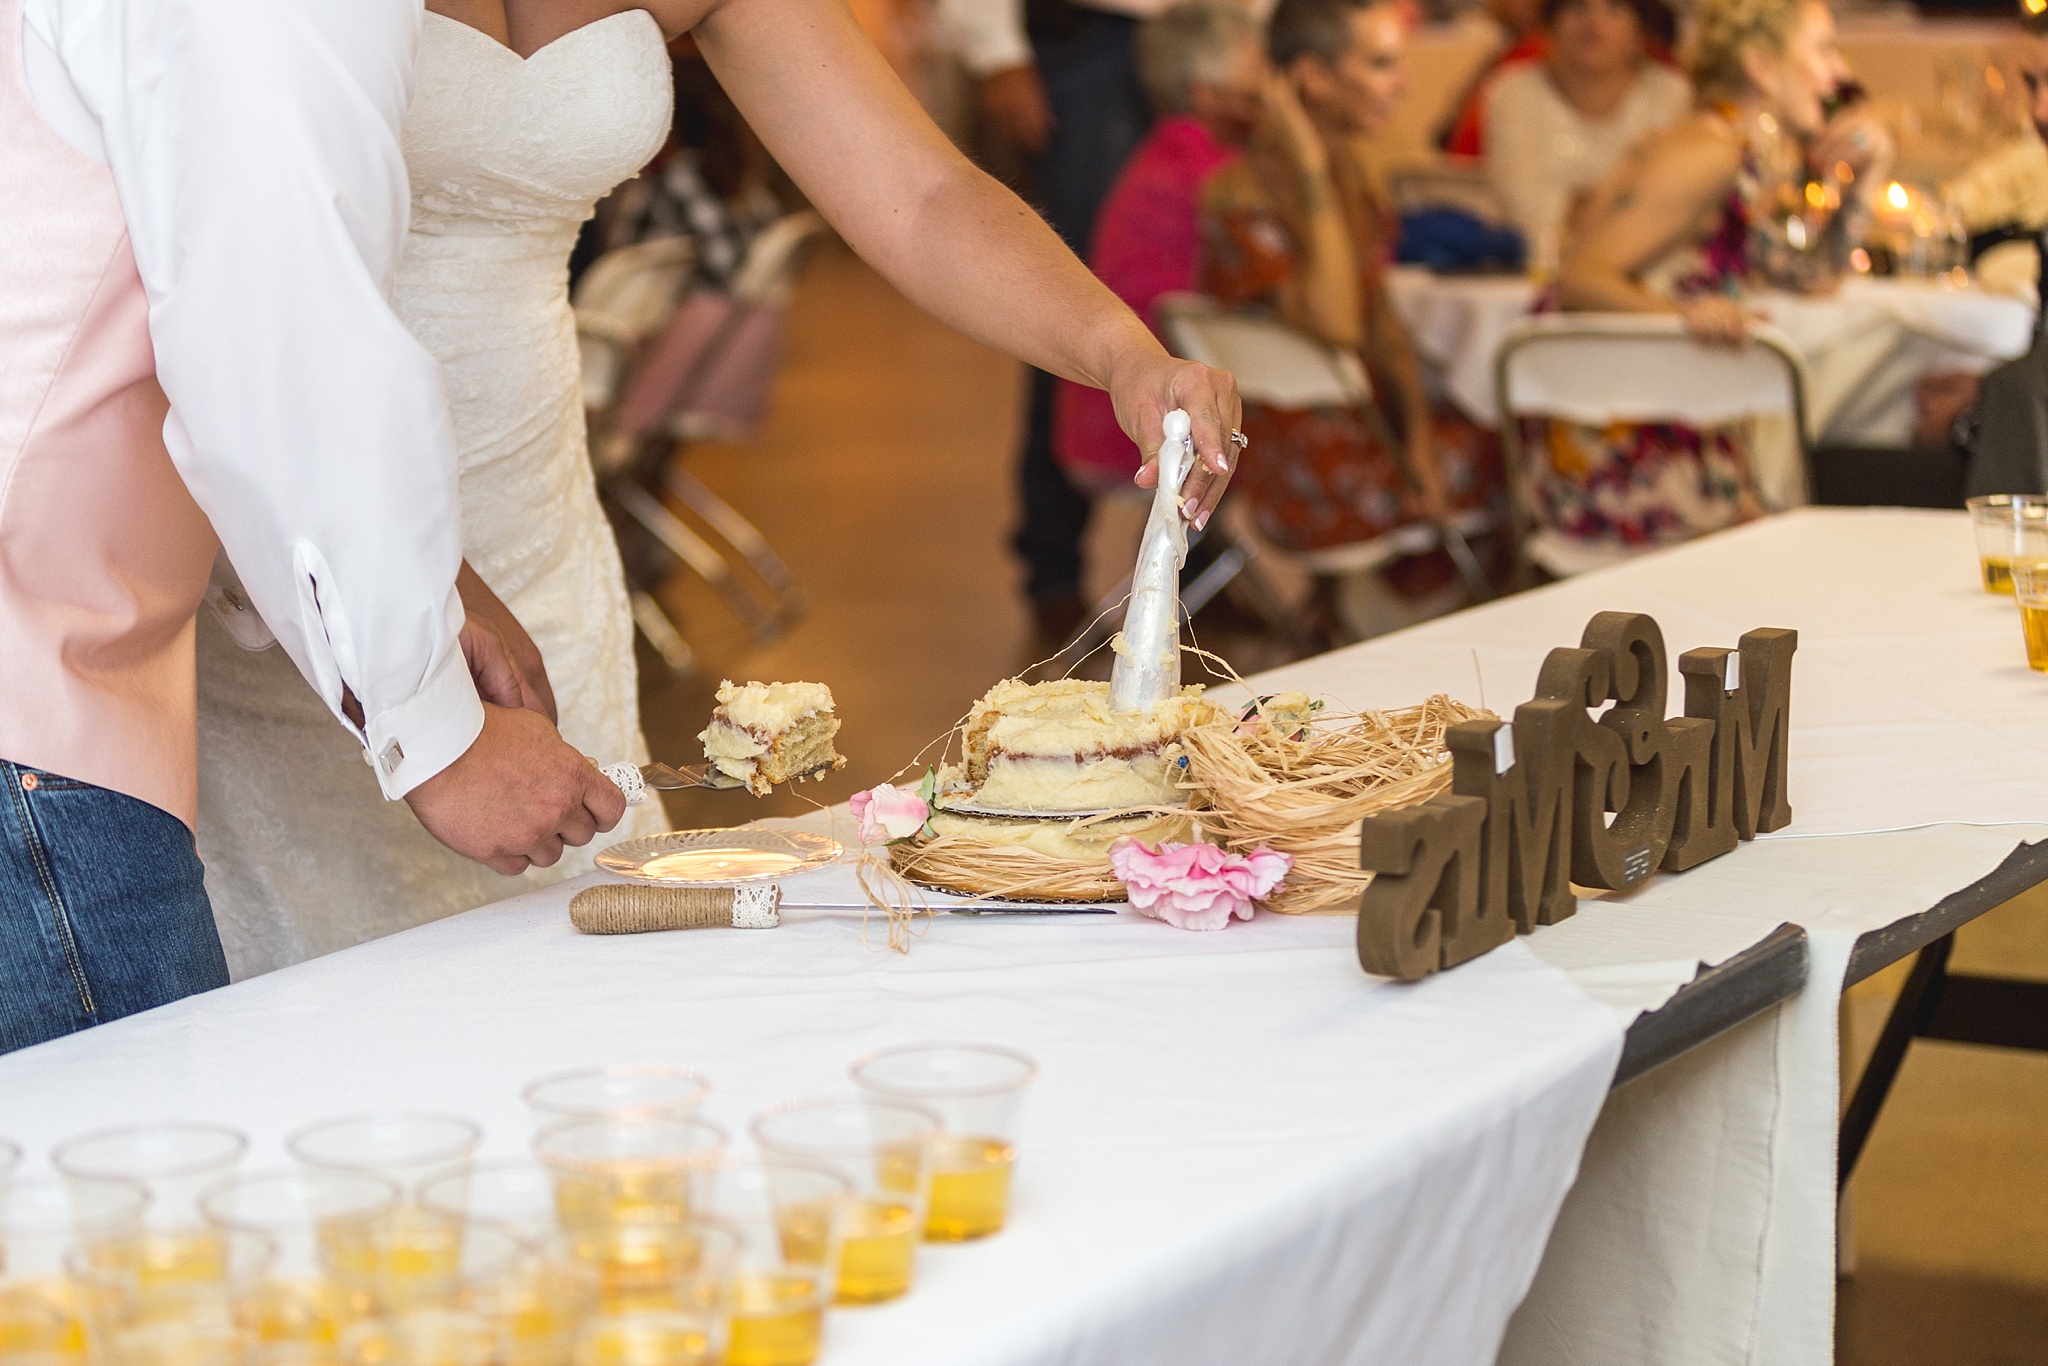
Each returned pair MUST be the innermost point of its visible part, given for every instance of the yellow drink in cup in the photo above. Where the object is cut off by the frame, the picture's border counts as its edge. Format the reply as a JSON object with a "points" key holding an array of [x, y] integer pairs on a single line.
{"points": [[878, 1252], [880, 1149], [788, 1216], [649, 1339], [977, 1091], [970, 1189], [43, 1313], [2030, 589], [41, 1319], [778, 1319], [1997, 573]]}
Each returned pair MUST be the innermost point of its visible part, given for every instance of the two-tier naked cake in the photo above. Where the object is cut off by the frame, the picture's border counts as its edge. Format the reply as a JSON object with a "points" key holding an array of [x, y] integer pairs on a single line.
{"points": [[1052, 748], [768, 733]]}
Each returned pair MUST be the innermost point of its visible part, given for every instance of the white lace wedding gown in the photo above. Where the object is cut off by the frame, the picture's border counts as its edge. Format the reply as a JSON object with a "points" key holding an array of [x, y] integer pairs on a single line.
{"points": [[507, 156]]}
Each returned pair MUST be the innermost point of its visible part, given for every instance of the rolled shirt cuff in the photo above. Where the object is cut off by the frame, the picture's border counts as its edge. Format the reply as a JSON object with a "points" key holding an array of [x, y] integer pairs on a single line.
{"points": [[411, 742]]}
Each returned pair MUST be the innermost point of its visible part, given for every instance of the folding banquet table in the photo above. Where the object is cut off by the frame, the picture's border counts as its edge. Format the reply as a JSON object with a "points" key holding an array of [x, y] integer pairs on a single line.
{"points": [[1241, 1148]]}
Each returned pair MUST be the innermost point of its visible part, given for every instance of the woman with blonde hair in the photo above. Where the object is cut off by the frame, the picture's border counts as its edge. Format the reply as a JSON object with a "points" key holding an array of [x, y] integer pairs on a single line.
{"points": [[1767, 182]]}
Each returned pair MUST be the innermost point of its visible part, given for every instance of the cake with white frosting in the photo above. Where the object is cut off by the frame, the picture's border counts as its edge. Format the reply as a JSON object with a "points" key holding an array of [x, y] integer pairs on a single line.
{"points": [[1056, 746], [768, 733]]}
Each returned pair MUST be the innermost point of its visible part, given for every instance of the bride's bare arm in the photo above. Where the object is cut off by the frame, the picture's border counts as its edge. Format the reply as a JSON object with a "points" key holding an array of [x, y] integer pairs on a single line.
{"points": [[952, 239]]}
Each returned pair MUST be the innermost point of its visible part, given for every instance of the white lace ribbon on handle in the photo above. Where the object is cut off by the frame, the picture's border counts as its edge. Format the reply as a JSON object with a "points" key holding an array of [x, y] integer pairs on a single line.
{"points": [[626, 777]]}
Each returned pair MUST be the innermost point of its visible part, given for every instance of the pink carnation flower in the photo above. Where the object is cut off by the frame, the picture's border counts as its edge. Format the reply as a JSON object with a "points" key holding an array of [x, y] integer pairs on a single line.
{"points": [[888, 813], [1195, 886]]}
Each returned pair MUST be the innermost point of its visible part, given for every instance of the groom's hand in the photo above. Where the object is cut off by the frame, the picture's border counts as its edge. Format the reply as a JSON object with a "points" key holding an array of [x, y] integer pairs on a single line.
{"points": [[503, 659], [517, 795]]}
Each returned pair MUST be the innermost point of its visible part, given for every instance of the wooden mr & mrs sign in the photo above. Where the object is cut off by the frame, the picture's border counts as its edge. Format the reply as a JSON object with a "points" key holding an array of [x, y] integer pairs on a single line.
{"points": [[1559, 797]]}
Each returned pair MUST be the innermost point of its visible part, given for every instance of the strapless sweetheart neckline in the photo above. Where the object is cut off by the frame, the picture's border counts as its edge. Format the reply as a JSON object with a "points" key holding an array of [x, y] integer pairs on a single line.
{"points": [[546, 47]]}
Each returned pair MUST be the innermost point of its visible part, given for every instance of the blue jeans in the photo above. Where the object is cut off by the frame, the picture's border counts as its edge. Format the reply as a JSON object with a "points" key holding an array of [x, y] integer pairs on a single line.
{"points": [[103, 909]]}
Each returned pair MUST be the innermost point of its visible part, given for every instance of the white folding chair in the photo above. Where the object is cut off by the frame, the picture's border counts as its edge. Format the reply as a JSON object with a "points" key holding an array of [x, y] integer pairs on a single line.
{"points": [[1282, 367], [625, 296], [1598, 368], [662, 381]]}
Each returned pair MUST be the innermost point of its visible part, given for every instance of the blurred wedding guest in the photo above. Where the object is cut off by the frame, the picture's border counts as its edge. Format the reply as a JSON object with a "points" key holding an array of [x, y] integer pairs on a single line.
{"points": [[1555, 127], [1689, 219], [710, 183], [2004, 194], [1058, 79], [1204, 70], [1301, 224], [1522, 41]]}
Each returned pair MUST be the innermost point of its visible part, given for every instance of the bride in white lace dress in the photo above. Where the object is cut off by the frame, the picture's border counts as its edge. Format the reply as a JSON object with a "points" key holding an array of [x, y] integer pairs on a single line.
{"points": [[506, 155]]}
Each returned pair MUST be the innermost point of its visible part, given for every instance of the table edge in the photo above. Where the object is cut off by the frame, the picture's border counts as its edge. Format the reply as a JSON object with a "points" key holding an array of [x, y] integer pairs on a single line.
{"points": [[1767, 973]]}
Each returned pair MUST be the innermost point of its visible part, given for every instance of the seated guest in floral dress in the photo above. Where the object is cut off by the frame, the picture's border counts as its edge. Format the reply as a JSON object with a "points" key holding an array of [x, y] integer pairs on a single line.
{"points": [[1203, 70], [1689, 219], [1302, 225]]}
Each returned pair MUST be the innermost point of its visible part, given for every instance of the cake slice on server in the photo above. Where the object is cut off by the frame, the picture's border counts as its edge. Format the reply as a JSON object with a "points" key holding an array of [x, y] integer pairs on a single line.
{"points": [[767, 733]]}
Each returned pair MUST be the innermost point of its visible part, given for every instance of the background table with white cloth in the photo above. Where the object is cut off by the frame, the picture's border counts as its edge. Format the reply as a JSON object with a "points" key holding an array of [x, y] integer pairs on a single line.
{"points": [[1702, 1225], [1864, 347], [1242, 1148]]}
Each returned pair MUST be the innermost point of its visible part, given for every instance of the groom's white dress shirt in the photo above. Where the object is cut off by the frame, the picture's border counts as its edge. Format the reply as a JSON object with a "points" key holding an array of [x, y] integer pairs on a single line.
{"points": [[255, 148]]}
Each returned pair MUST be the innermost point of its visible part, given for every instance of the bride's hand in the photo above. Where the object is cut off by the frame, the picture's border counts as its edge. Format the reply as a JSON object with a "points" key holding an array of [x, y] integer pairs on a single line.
{"points": [[1149, 387], [503, 659]]}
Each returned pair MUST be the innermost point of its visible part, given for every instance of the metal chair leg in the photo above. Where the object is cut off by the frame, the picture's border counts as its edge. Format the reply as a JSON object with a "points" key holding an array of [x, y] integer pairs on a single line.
{"points": [[654, 623], [738, 532], [1460, 551], [698, 553], [1909, 1017]]}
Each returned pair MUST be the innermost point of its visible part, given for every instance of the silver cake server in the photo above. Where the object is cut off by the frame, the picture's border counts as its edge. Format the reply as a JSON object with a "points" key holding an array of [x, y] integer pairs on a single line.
{"points": [[635, 779]]}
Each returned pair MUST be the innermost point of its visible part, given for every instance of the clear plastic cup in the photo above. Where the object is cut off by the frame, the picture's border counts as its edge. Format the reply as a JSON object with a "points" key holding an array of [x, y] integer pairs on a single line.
{"points": [[514, 1194], [174, 1162], [611, 1170], [42, 1222], [977, 1090], [789, 1215], [2030, 591], [659, 1291], [883, 1149], [137, 1318], [401, 1147], [494, 1301], [324, 1223], [2008, 528], [616, 1091]]}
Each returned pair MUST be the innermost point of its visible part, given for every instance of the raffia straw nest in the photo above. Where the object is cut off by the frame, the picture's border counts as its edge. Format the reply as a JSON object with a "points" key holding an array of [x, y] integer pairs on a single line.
{"points": [[972, 867], [959, 857], [1304, 794]]}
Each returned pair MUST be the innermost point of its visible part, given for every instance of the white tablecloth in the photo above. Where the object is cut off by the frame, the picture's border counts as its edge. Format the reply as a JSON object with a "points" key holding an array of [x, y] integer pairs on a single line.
{"points": [[1701, 1229], [1864, 347], [1912, 701], [1241, 1149]]}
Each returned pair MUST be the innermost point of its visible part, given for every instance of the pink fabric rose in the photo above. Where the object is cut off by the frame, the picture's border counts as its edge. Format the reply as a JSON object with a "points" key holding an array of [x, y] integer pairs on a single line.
{"points": [[888, 813], [1195, 886]]}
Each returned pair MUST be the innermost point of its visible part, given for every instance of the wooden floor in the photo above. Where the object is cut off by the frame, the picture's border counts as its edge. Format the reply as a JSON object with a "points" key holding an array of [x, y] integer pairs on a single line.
{"points": [[883, 477]]}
